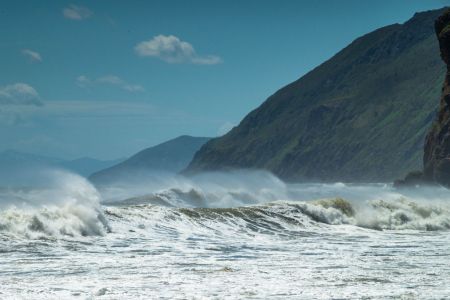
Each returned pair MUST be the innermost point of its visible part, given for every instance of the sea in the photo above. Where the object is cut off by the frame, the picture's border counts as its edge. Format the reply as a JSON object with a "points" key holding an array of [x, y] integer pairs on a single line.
{"points": [[233, 235]]}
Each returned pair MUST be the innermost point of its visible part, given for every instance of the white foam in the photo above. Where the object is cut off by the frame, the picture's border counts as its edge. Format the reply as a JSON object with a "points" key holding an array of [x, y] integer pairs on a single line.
{"points": [[67, 206]]}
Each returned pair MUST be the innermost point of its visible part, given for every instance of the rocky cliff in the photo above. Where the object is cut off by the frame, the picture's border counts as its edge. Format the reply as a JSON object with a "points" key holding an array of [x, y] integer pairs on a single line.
{"points": [[437, 145], [360, 116]]}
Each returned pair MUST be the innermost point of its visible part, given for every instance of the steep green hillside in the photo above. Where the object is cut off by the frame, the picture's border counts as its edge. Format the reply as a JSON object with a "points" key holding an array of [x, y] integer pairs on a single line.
{"points": [[360, 116], [170, 156]]}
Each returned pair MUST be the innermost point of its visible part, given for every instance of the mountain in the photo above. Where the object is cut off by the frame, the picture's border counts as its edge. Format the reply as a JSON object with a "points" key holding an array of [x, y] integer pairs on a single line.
{"points": [[17, 167], [86, 166], [171, 156], [360, 116]]}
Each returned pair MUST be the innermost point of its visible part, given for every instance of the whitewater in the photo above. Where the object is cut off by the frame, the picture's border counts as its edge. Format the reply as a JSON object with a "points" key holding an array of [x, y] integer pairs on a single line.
{"points": [[235, 235]]}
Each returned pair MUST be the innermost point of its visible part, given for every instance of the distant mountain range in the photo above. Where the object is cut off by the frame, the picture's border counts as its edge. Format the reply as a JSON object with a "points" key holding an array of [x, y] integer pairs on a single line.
{"points": [[360, 116], [171, 156], [14, 163]]}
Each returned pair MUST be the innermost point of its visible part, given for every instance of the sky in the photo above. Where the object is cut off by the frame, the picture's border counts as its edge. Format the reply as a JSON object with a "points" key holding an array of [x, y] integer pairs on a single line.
{"points": [[106, 79]]}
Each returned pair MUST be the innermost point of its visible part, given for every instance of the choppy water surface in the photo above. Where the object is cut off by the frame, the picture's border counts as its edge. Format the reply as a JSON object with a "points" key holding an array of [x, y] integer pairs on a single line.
{"points": [[223, 236]]}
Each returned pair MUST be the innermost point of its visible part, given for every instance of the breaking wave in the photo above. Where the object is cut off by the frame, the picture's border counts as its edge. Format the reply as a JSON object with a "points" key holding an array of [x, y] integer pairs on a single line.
{"points": [[398, 214], [67, 205], [288, 216], [251, 199]]}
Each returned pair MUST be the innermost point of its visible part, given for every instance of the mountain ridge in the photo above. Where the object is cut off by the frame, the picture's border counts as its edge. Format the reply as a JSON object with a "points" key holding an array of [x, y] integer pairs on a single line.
{"points": [[362, 115], [170, 156]]}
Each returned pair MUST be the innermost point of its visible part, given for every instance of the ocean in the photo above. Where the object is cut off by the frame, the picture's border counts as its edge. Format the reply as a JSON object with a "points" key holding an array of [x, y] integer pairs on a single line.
{"points": [[235, 235]]}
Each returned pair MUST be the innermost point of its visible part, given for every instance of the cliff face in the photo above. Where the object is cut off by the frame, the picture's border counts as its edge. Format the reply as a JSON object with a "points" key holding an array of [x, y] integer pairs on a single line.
{"points": [[437, 145], [360, 116]]}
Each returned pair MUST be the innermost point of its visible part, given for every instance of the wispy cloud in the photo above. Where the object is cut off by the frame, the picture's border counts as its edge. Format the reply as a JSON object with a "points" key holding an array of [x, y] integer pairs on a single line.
{"points": [[33, 56], [173, 50], [84, 81], [19, 94], [115, 80], [83, 109], [15, 99], [77, 13], [97, 109]]}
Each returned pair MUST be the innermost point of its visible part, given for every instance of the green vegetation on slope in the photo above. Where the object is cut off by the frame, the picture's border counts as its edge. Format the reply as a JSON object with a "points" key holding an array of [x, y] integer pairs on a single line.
{"points": [[360, 116]]}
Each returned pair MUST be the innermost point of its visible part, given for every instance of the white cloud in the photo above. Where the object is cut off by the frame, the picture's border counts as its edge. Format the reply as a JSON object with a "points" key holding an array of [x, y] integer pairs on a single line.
{"points": [[77, 13], [84, 81], [15, 101], [19, 94], [133, 88], [33, 56], [173, 50], [115, 80], [111, 79]]}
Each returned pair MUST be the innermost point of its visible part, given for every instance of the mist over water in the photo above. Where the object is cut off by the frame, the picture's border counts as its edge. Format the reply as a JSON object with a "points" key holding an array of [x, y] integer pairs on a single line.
{"points": [[241, 234], [56, 204]]}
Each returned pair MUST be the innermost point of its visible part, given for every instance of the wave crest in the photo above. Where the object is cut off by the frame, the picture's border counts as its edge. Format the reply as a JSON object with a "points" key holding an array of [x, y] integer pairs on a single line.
{"points": [[69, 220], [68, 206], [278, 216]]}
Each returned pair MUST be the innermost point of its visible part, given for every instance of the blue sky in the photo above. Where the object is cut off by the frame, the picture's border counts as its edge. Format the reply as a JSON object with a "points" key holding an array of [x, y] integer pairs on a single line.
{"points": [[108, 78]]}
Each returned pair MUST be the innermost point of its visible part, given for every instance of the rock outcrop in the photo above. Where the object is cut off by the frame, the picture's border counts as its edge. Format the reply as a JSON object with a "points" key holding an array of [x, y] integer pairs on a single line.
{"points": [[437, 144]]}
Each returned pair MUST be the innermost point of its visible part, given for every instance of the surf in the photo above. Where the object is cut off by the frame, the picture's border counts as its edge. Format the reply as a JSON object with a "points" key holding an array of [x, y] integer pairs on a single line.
{"points": [[67, 205]]}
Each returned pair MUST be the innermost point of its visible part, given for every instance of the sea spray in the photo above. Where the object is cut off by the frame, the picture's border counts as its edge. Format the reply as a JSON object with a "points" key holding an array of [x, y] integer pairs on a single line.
{"points": [[310, 241], [251, 197], [214, 189], [63, 204]]}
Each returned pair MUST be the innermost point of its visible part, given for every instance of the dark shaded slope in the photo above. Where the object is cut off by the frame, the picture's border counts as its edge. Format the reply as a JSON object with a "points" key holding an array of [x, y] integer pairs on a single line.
{"points": [[437, 145], [360, 116], [170, 156]]}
